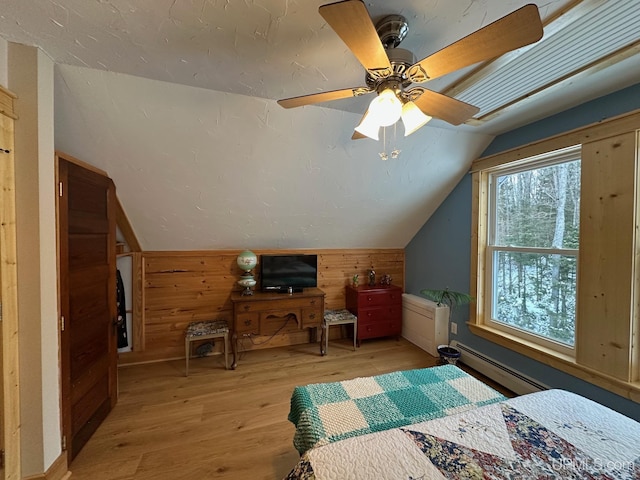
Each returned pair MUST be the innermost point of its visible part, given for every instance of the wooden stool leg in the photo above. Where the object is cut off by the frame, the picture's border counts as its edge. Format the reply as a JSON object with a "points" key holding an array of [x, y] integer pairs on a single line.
{"points": [[355, 334], [226, 351], [187, 348]]}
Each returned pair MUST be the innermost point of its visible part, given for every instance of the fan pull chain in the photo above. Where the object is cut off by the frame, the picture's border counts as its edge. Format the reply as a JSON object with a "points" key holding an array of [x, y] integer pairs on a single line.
{"points": [[396, 151], [383, 153]]}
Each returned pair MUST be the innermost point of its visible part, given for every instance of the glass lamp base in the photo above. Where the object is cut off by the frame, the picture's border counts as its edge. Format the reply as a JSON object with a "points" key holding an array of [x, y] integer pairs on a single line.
{"points": [[247, 291], [248, 282]]}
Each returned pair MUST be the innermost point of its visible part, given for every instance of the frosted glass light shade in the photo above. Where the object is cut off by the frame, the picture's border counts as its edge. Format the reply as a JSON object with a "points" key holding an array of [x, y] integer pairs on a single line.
{"points": [[386, 108], [413, 118], [368, 127]]}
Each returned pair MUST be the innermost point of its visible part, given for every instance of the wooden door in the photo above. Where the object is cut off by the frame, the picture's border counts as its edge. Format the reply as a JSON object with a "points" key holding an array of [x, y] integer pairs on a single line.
{"points": [[88, 301]]}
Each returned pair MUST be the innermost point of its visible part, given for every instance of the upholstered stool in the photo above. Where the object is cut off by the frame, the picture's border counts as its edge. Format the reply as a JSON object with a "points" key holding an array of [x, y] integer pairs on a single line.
{"points": [[337, 317], [204, 330]]}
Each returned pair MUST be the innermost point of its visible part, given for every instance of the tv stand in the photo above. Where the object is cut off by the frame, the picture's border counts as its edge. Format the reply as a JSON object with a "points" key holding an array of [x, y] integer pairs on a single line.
{"points": [[263, 313]]}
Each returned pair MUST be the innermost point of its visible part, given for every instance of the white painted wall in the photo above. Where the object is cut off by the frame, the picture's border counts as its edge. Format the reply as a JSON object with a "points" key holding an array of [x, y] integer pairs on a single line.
{"points": [[4, 80], [30, 76], [197, 169]]}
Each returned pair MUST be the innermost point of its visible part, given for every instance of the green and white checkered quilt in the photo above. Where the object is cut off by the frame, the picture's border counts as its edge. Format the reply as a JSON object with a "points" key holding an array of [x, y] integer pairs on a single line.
{"points": [[327, 412]]}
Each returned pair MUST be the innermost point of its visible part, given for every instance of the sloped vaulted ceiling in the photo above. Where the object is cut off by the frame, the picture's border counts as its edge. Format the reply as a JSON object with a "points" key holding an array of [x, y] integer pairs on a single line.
{"points": [[199, 169], [175, 99]]}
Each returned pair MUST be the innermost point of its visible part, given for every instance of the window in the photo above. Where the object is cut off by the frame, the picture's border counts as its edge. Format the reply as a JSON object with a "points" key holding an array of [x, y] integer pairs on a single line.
{"points": [[557, 277], [532, 249]]}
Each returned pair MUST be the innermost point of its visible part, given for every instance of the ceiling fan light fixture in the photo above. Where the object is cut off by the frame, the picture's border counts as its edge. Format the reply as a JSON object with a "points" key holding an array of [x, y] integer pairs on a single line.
{"points": [[386, 108], [369, 127], [413, 118]]}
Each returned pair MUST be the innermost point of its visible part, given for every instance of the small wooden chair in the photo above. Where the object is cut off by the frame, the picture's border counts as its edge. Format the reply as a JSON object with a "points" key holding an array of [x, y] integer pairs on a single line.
{"points": [[337, 317], [202, 331]]}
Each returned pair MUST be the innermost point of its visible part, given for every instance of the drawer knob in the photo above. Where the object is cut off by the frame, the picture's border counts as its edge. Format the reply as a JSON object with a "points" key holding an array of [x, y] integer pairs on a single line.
{"points": [[247, 322], [312, 302], [312, 316], [246, 308]]}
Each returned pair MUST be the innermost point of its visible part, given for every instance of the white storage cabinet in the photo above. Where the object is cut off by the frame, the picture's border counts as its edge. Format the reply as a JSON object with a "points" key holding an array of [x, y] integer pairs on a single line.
{"points": [[424, 323]]}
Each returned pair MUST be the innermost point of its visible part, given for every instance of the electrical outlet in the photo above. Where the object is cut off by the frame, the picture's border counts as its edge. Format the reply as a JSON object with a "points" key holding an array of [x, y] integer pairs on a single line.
{"points": [[454, 328]]}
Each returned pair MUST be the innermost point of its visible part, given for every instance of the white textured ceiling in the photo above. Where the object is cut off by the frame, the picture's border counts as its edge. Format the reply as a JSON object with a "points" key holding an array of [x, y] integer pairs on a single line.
{"points": [[175, 99]]}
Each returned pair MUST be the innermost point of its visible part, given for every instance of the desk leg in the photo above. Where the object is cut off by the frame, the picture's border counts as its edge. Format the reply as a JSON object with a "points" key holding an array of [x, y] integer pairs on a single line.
{"points": [[234, 346], [322, 340]]}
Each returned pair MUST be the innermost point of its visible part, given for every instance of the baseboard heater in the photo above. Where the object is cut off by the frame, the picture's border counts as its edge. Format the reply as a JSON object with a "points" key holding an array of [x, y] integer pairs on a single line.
{"points": [[507, 377]]}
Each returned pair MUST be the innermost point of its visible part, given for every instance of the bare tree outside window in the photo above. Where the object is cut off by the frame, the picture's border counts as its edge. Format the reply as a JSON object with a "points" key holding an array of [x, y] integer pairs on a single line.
{"points": [[534, 243]]}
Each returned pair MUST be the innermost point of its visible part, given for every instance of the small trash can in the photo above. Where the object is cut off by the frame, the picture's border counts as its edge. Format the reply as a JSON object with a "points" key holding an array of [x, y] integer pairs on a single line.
{"points": [[448, 355]]}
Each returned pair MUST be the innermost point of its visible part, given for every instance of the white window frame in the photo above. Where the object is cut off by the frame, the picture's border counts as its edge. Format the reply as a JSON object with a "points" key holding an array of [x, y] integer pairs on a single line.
{"points": [[557, 157]]}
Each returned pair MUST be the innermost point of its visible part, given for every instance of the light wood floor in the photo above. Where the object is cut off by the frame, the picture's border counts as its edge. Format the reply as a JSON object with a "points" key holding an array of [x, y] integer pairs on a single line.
{"points": [[223, 424]]}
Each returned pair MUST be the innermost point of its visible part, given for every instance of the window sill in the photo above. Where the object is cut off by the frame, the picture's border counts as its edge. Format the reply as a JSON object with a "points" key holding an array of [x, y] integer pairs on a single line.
{"points": [[564, 363]]}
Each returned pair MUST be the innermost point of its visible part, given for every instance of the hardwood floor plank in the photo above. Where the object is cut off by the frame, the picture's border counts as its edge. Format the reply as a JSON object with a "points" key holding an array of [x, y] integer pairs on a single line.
{"points": [[223, 424]]}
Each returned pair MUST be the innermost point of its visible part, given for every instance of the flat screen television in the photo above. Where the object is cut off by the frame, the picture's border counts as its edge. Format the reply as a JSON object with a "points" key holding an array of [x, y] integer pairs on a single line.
{"points": [[288, 273]]}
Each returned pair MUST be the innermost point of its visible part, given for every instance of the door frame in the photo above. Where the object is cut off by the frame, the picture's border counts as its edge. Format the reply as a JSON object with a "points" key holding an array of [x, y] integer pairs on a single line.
{"points": [[10, 386]]}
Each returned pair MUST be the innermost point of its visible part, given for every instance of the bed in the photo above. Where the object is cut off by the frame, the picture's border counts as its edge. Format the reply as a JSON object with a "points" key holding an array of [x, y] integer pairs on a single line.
{"points": [[544, 435], [328, 412]]}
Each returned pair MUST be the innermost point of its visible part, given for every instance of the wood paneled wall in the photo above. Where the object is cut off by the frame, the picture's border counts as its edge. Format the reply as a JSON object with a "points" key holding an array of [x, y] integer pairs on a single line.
{"points": [[182, 287]]}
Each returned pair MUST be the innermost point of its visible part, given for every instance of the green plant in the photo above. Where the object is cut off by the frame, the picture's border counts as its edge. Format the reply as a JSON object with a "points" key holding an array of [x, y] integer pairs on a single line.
{"points": [[448, 297]]}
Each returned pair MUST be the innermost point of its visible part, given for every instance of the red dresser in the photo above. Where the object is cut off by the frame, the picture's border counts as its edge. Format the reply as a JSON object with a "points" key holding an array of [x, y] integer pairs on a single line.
{"points": [[379, 310]]}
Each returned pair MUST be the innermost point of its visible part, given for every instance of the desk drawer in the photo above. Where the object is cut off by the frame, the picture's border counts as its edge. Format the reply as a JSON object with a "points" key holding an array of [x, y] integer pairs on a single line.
{"points": [[311, 317], [247, 323]]}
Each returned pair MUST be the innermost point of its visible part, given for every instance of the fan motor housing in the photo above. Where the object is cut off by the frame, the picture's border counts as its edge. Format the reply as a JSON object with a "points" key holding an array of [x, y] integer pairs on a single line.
{"points": [[401, 60], [392, 29]]}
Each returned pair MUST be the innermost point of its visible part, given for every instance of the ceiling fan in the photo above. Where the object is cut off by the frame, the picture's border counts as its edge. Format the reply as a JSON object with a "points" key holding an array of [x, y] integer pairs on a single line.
{"points": [[391, 71]]}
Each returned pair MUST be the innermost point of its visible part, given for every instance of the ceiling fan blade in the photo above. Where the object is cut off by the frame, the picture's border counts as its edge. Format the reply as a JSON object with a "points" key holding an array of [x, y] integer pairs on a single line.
{"points": [[445, 108], [357, 135], [323, 97], [512, 31], [351, 21]]}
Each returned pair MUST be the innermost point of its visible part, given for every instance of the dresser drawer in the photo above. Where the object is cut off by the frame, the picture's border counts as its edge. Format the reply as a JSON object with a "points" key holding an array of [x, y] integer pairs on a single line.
{"points": [[311, 317], [386, 328], [373, 299], [379, 314], [247, 323], [379, 297], [371, 315]]}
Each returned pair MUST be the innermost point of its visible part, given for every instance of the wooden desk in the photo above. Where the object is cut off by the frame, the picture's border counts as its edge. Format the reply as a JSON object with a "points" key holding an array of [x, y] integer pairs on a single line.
{"points": [[264, 313]]}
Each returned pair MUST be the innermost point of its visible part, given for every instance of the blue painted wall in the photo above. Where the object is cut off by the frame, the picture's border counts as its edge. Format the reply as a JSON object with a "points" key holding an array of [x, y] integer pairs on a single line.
{"points": [[439, 254]]}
